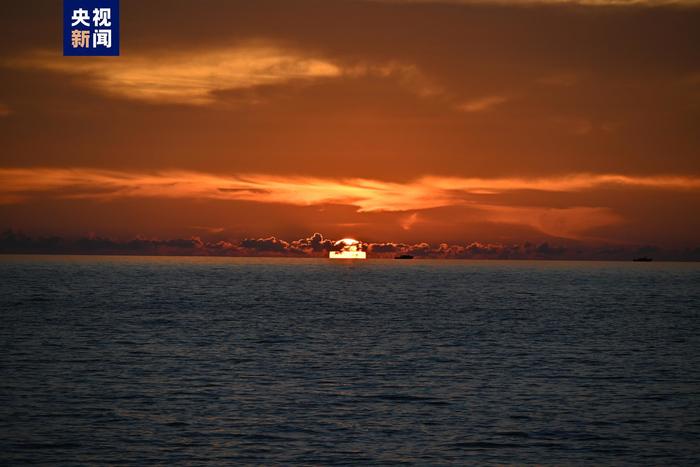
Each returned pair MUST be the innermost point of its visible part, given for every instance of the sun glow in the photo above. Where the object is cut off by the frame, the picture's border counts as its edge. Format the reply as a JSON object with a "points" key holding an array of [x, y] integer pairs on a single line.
{"points": [[349, 249]]}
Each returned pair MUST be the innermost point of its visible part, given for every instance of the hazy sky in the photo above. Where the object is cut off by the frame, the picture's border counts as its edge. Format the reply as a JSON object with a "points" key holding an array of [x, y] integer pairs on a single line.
{"points": [[405, 121]]}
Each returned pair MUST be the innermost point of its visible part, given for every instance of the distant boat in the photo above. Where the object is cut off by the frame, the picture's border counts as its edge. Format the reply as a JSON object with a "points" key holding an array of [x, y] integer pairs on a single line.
{"points": [[643, 259], [403, 257]]}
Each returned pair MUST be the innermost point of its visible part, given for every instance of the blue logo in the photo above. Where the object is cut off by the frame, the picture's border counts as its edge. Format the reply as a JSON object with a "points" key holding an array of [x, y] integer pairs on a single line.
{"points": [[90, 28]]}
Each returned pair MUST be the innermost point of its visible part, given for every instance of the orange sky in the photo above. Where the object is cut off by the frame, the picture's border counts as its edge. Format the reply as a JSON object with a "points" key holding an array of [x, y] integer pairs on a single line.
{"points": [[391, 121]]}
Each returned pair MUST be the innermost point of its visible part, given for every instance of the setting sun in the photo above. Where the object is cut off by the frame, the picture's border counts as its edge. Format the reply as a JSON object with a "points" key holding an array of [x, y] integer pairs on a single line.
{"points": [[349, 249]]}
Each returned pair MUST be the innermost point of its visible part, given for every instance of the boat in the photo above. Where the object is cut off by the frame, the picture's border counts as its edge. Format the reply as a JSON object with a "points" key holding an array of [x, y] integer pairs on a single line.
{"points": [[349, 248], [403, 257], [643, 259]]}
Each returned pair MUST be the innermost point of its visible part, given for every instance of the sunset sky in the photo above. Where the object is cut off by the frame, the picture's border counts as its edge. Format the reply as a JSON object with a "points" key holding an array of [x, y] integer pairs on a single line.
{"points": [[458, 122]]}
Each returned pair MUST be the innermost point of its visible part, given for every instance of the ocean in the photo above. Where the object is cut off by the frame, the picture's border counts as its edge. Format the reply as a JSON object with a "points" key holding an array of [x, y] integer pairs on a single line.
{"points": [[193, 361]]}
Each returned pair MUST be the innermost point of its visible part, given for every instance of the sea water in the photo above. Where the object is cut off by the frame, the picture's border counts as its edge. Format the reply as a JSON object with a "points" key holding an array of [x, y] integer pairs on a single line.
{"points": [[117, 360]]}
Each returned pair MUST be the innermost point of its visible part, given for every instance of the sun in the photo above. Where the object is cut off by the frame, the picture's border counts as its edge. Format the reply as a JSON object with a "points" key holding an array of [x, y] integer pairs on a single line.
{"points": [[349, 249]]}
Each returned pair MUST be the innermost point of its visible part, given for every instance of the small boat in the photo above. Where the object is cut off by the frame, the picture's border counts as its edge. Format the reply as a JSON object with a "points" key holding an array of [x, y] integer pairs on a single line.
{"points": [[643, 259], [403, 257]]}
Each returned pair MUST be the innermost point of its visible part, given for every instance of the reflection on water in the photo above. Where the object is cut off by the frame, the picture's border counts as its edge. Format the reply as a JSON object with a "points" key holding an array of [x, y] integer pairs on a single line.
{"points": [[195, 360]]}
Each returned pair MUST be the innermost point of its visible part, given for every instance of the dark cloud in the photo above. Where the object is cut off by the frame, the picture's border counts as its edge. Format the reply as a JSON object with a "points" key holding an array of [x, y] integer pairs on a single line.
{"points": [[17, 242], [256, 191], [387, 248], [314, 243], [270, 244]]}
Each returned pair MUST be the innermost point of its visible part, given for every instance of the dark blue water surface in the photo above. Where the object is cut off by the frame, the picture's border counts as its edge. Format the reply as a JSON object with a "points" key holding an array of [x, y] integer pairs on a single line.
{"points": [[115, 360]]}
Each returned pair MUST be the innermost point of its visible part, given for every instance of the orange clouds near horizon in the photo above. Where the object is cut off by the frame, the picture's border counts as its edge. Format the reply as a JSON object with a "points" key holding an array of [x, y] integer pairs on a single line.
{"points": [[366, 194], [571, 221]]}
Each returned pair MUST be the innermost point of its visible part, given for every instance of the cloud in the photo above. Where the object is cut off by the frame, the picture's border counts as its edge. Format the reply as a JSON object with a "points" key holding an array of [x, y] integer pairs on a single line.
{"points": [[317, 246], [572, 221], [481, 104], [270, 244], [409, 221], [408, 76], [380, 248], [211, 230], [190, 77], [365, 194], [194, 77], [566, 183], [18, 242], [313, 245]]}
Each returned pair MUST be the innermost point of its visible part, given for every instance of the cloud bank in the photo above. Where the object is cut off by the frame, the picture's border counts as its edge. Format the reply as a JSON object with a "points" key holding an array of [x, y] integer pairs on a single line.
{"points": [[490, 200], [367, 195], [316, 246]]}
